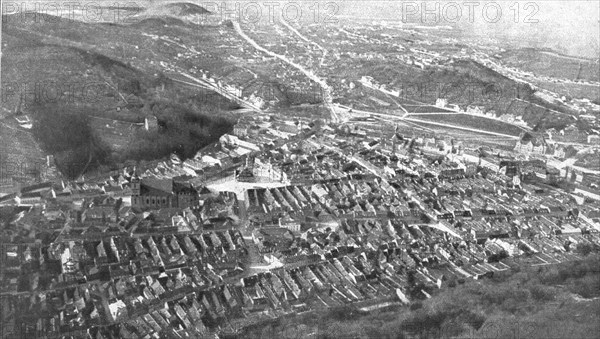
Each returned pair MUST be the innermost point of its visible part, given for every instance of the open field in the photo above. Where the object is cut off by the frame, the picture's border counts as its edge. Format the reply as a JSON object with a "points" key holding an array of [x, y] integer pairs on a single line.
{"points": [[470, 121], [420, 109]]}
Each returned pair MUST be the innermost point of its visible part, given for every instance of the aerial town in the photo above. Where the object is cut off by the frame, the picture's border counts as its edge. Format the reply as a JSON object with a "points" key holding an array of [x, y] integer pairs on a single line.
{"points": [[280, 218], [358, 190]]}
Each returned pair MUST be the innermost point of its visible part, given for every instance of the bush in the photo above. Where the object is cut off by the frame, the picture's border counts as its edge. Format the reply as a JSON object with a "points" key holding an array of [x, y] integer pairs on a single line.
{"points": [[542, 293], [416, 305], [587, 287], [497, 256], [584, 249]]}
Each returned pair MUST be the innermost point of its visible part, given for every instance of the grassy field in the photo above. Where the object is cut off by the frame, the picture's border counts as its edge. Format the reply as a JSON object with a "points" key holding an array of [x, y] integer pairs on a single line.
{"points": [[424, 109], [471, 121]]}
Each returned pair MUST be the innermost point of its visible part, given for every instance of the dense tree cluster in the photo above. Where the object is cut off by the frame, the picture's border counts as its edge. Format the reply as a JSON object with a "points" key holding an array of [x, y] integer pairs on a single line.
{"points": [[181, 131], [67, 135]]}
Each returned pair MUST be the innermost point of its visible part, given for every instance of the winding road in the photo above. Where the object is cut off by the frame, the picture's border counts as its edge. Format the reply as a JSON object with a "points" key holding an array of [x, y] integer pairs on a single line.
{"points": [[325, 52], [327, 98]]}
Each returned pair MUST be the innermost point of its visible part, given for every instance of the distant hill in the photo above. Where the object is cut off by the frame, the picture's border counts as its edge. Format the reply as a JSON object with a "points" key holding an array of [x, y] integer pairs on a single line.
{"points": [[552, 64], [186, 8], [469, 83], [158, 23], [184, 11]]}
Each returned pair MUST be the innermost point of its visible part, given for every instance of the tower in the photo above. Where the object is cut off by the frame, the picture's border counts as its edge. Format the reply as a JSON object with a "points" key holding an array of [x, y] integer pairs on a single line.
{"points": [[135, 186], [135, 191]]}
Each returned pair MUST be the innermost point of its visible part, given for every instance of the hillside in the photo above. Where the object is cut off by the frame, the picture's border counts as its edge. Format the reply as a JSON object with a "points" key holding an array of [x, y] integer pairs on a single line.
{"points": [[552, 64], [66, 78], [545, 302]]}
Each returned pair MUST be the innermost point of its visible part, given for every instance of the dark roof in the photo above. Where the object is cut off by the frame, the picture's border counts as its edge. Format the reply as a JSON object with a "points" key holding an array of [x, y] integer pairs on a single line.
{"points": [[113, 188], [156, 187], [8, 197], [275, 232], [31, 195], [183, 187], [535, 138], [45, 185], [205, 190]]}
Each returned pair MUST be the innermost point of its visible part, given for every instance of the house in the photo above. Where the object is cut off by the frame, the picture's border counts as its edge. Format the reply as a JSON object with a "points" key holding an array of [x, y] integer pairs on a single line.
{"points": [[452, 172], [290, 224], [474, 110], [508, 117], [271, 239], [559, 151], [531, 143], [287, 128], [240, 131], [34, 198], [104, 213], [524, 147], [232, 140]]}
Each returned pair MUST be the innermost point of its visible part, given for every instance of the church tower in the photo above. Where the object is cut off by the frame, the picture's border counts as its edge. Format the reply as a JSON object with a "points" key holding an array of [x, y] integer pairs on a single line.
{"points": [[135, 189]]}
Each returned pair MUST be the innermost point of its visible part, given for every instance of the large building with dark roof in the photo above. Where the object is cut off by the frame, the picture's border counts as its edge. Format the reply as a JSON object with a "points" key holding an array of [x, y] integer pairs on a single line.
{"points": [[162, 193]]}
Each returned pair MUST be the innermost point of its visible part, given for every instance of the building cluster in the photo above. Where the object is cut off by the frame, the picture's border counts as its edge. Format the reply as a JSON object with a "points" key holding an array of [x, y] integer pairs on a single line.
{"points": [[281, 217]]}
